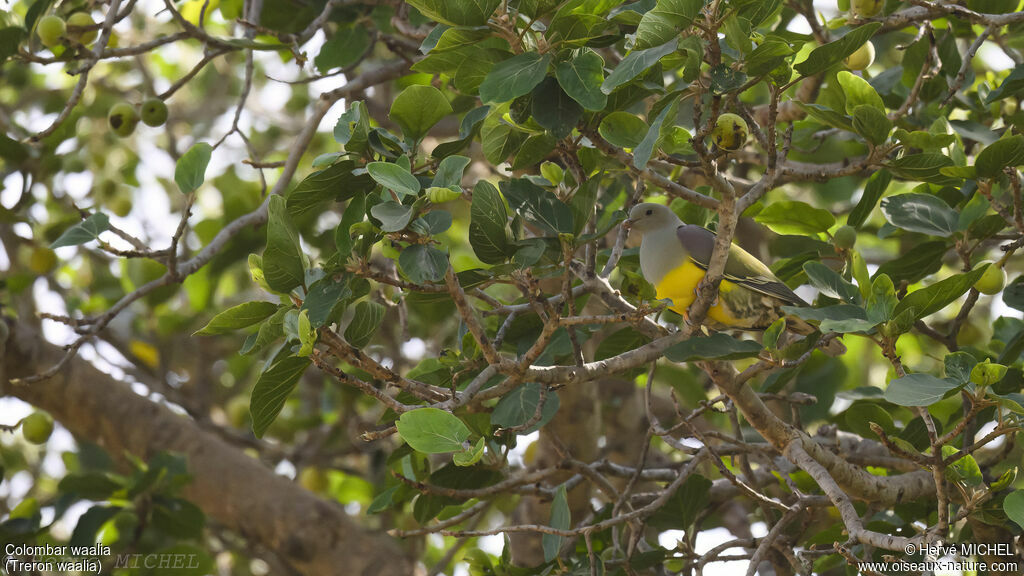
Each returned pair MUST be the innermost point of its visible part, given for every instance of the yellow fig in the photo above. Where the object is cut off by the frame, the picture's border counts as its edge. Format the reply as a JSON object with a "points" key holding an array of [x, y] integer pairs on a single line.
{"points": [[730, 132]]}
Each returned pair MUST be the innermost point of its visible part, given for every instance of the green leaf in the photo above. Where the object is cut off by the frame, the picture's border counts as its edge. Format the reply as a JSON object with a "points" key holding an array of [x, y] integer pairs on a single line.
{"points": [[499, 139], [693, 46], [770, 340], [923, 260], [538, 205], [858, 92], [581, 78], [830, 283], [882, 300], [553, 109], [89, 525], [725, 79], [344, 48], [841, 318], [987, 374], [323, 296], [10, 38], [717, 346], [354, 212], [536, 148], [871, 123], [515, 77], [307, 334], [771, 53], [583, 202], [352, 128], [418, 108], [795, 217], [457, 12], [432, 431], [676, 140], [394, 177], [859, 270], [862, 414], [873, 190], [681, 510], [393, 216], [1004, 481], [1002, 153], [665, 21], [635, 63], [645, 149], [577, 21], [470, 456], [519, 406], [272, 389], [423, 263], [925, 140], [529, 251], [975, 209], [828, 55], [365, 321], [918, 389], [448, 38], [964, 469], [827, 116], [959, 365], [237, 317], [336, 182], [449, 171], [271, 329], [623, 129], [85, 231], [920, 213], [1011, 86], [89, 485], [283, 266], [931, 299], [190, 170], [560, 519], [489, 234], [1013, 294], [1013, 505], [432, 223], [924, 167]]}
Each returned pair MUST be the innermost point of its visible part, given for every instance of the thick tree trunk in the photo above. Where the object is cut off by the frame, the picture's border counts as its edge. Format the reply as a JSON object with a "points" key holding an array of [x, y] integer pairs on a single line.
{"points": [[313, 535]]}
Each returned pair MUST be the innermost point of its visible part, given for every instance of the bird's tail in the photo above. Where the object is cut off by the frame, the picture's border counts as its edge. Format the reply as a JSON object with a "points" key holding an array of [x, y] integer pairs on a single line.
{"points": [[834, 346]]}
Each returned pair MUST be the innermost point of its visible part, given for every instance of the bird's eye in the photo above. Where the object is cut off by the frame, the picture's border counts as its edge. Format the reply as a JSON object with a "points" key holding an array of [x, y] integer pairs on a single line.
{"points": [[649, 212]]}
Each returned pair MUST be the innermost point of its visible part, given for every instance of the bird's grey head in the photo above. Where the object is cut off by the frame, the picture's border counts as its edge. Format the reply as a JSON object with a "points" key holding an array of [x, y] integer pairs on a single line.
{"points": [[648, 216]]}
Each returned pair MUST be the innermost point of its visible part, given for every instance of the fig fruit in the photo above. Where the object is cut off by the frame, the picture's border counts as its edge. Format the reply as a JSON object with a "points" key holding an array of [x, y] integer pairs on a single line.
{"points": [[123, 119], [154, 112], [730, 132], [37, 427], [50, 30]]}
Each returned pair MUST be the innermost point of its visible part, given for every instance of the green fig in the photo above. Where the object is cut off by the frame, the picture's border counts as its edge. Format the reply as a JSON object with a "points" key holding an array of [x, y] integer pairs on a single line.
{"points": [[50, 30], [76, 24], [154, 112], [992, 280], [845, 237], [862, 58], [37, 427], [123, 119]]}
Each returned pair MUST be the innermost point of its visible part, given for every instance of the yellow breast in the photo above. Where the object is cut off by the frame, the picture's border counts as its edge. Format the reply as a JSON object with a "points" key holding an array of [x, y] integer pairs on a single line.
{"points": [[679, 286]]}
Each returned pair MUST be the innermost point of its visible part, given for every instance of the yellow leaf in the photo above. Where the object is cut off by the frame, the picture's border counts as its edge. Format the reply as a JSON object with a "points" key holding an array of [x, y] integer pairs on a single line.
{"points": [[146, 353]]}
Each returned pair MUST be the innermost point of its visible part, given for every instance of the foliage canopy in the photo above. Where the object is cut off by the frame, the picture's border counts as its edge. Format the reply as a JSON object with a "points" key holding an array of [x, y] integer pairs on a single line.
{"points": [[379, 244]]}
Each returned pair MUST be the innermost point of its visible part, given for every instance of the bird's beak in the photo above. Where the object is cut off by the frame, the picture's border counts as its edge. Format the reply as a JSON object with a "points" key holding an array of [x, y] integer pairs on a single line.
{"points": [[627, 224]]}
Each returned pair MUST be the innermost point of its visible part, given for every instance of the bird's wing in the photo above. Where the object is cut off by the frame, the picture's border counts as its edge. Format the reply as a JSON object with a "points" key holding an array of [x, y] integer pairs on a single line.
{"points": [[741, 268]]}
